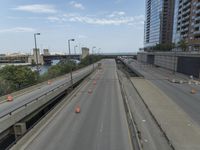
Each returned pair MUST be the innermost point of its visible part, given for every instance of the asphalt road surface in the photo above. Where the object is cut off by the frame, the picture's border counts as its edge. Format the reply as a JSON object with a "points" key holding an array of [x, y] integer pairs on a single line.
{"points": [[179, 93], [101, 125], [152, 137]]}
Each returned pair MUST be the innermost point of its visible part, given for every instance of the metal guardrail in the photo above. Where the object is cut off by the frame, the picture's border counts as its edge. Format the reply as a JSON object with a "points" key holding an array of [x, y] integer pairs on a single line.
{"points": [[131, 68], [189, 53], [76, 79]]}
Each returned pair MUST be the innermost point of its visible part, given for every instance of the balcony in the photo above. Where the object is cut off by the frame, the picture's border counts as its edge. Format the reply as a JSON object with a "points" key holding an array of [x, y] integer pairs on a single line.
{"points": [[186, 12], [196, 32], [198, 4], [197, 25], [185, 29], [185, 24], [186, 18], [188, 5]]}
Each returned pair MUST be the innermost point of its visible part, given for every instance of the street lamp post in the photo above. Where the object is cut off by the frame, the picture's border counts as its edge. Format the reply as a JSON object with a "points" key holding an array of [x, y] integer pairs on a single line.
{"points": [[69, 60], [36, 51], [93, 56]]}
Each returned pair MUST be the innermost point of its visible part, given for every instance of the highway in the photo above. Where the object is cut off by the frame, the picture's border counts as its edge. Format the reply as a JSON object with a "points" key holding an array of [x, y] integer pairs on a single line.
{"points": [[172, 104], [101, 125], [179, 93], [8, 107]]}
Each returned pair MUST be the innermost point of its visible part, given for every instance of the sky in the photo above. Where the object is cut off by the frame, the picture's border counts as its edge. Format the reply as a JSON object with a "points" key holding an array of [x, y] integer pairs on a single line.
{"points": [[109, 25]]}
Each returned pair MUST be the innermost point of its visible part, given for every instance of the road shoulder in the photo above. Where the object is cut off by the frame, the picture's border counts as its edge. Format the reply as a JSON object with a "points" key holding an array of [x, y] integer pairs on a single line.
{"points": [[182, 132]]}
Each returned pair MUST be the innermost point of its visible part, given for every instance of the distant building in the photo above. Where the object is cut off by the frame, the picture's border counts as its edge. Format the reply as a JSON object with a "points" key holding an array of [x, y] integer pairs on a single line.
{"points": [[46, 52], [14, 58], [159, 17], [36, 56], [85, 52], [2, 55]]}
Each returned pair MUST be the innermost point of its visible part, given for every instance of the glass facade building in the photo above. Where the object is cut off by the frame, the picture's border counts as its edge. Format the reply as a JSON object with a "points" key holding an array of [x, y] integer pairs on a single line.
{"points": [[158, 22], [176, 34]]}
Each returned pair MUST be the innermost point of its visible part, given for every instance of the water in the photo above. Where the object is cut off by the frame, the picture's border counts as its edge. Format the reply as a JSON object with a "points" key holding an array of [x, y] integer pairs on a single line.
{"points": [[15, 64], [44, 69]]}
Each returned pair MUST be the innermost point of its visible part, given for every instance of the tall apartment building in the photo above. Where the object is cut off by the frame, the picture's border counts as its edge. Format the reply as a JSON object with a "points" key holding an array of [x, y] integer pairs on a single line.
{"points": [[159, 22], [187, 25]]}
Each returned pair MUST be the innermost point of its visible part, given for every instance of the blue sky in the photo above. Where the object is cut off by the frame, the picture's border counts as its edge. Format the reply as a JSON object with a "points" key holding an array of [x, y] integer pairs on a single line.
{"points": [[112, 25]]}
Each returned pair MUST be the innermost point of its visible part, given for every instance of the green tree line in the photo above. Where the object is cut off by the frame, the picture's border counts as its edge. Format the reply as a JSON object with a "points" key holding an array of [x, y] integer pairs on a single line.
{"points": [[182, 44], [13, 78]]}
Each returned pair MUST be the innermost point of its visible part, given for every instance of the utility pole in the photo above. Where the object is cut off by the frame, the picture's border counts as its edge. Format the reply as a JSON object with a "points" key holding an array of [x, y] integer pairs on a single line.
{"points": [[36, 51], [93, 56], [71, 77]]}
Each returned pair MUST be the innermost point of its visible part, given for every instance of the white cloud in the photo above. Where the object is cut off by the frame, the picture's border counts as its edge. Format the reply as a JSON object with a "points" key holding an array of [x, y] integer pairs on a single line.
{"points": [[107, 21], [37, 8], [77, 5], [82, 36], [53, 19], [116, 14], [115, 18], [17, 29]]}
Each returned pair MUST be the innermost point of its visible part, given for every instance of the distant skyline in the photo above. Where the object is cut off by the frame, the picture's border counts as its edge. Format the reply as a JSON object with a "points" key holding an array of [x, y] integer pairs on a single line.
{"points": [[113, 26]]}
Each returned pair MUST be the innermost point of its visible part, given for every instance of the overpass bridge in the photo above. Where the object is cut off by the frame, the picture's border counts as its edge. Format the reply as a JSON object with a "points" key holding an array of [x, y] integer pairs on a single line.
{"points": [[47, 59]]}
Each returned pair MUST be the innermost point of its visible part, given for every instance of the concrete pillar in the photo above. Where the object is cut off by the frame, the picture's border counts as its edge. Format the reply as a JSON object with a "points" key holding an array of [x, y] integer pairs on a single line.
{"points": [[38, 55], [19, 129]]}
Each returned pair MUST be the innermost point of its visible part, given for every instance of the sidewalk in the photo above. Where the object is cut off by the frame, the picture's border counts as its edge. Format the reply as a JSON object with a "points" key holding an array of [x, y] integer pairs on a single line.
{"points": [[183, 133]]}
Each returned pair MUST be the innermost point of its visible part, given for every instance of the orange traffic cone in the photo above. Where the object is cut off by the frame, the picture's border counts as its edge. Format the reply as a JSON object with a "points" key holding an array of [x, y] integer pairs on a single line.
{"points": [[77, 109], [193, 91], [89, 91], [9, 98], [49, 82]]}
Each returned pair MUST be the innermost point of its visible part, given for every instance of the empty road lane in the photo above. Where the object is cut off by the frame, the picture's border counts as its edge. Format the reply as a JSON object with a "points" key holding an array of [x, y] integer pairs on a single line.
{"points": [[101, 125]]}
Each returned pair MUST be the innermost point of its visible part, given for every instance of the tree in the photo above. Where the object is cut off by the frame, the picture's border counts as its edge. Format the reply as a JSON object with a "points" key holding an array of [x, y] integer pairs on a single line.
{"points": [[183, 45], [33, 62], [163, 47], [89, 60], [5, 87], [20, 76], [54, 71], [61, 68]]}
